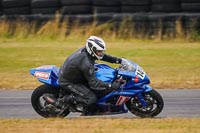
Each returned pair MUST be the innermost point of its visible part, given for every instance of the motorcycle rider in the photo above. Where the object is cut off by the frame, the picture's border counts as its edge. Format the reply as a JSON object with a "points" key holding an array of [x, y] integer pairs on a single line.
{"points": [[77, 74]]}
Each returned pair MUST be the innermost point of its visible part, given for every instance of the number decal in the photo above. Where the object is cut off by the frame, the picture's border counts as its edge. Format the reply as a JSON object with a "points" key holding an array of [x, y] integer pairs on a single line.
{"points": [[140, 72]]}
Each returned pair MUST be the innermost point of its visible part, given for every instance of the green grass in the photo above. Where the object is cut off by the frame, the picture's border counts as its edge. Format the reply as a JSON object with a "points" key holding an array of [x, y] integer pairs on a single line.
{"points": [[169, 64], [96, 125]]}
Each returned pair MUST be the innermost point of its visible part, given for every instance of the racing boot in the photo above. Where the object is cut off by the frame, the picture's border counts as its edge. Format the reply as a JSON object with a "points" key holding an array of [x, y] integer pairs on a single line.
{"points": [[68, 99], [90, 111]]}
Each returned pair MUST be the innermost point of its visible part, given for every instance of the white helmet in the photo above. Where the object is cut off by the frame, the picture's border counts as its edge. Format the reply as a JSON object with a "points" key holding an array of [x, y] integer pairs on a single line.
{"points": [[95, 46]]}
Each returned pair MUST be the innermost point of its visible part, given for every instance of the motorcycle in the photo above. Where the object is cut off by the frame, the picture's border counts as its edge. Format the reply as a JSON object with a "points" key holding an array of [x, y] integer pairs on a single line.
{"points": [[134, 95]]}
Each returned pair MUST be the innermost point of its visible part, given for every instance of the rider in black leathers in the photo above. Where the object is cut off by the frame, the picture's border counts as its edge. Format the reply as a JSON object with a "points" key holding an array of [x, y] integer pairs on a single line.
{"points": [[77, 74]]}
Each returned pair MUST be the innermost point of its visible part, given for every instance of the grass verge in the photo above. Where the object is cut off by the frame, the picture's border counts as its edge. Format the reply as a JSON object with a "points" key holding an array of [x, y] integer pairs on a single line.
{"points": [[96, 125], [169, 64], [24, 44]]}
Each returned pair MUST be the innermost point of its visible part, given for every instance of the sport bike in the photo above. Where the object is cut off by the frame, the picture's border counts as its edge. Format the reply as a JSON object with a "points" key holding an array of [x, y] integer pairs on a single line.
{"points": [[134, 95]]}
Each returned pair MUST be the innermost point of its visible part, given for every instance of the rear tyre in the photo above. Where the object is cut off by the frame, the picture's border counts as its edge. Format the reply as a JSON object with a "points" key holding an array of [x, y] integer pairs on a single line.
{"points": [[154, 105], [41, 107]]}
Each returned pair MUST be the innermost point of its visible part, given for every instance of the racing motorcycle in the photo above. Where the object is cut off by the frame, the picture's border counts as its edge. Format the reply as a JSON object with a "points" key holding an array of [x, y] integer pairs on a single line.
{"points": [[134, 95]]}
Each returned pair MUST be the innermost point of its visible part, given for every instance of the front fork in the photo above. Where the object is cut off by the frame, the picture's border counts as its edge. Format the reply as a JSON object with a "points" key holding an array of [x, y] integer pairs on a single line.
{"points": [[141, 98]]}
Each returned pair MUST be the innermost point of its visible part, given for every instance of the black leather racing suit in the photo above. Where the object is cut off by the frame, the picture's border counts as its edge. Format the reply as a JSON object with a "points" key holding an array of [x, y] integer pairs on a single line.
{"points": [[77, 76]]}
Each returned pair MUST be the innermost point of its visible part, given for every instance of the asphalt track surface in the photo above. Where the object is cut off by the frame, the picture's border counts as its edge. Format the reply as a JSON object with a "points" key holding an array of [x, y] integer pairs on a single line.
{"points": [[178, 103]]}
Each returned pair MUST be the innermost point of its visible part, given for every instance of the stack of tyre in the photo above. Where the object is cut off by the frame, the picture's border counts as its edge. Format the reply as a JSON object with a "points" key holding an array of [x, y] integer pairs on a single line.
{"points": [[76, 7], [80, 10], [0, 8], [104, 9], [15, 7], [106, 6], [44, 6], [169, 6], [132, 6], [190, 5]]}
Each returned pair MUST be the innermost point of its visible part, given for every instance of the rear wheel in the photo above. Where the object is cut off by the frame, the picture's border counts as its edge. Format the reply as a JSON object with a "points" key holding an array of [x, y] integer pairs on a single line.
{"points": [[42, 107], [154, 104]]}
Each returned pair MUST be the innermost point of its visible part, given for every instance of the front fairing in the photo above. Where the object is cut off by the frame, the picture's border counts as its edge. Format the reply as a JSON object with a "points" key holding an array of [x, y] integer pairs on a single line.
{"points": [[137, 77]]}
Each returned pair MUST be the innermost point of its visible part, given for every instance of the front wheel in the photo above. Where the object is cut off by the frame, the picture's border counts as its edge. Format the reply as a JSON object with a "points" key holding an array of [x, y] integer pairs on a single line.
{"points": [[42, 107], [154, 104]]}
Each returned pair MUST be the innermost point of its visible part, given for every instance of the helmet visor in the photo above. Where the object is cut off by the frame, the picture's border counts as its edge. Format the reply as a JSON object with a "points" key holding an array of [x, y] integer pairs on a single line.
{"points": [[99, 53]]}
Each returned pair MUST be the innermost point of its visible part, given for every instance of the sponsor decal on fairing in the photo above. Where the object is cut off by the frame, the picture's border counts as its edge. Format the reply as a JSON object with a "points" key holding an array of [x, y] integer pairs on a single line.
{"points": [[42, 75]]}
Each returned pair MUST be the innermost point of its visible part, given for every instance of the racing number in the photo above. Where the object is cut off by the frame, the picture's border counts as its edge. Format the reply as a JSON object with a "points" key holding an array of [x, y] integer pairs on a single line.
{"points": [[140, 72]]}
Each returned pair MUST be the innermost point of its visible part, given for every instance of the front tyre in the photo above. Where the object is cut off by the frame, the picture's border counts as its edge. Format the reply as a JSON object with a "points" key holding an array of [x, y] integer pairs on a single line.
{"points": [[154, 104], [42, 107]]}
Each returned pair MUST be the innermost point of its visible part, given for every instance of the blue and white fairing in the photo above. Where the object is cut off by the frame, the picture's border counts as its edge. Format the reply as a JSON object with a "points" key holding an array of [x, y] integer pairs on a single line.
{"points": [[105, 73], [137, 75], [132, 71], [47, 74], [137, 82]]}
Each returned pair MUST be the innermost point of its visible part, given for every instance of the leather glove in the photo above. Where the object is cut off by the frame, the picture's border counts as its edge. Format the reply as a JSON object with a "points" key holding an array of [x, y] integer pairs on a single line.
{"points": [[115, 85]]}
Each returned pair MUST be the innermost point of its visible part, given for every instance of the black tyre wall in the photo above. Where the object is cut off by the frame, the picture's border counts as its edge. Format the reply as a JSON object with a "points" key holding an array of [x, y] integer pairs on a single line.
{"points": [[44, 6], [16, 7], [190, 1], [106, 2], [77, 9], [165, 1], [190, 7], [106, 6], [17, 11], [105, 9], [45, 3], [44, 10], [0, 7], [132, 6], [135, 2], [132, 9], [166, 7], [15, 3], [75, 2]]}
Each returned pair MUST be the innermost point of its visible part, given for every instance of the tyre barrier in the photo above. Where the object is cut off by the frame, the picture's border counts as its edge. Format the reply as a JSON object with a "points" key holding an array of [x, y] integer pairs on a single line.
{"points": [[14, 7], [190, 6], [166, 6], [71, 7], [132, 6], [76, 7], [144, 25], [106, 6], [44, 6], [147, 17]]}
